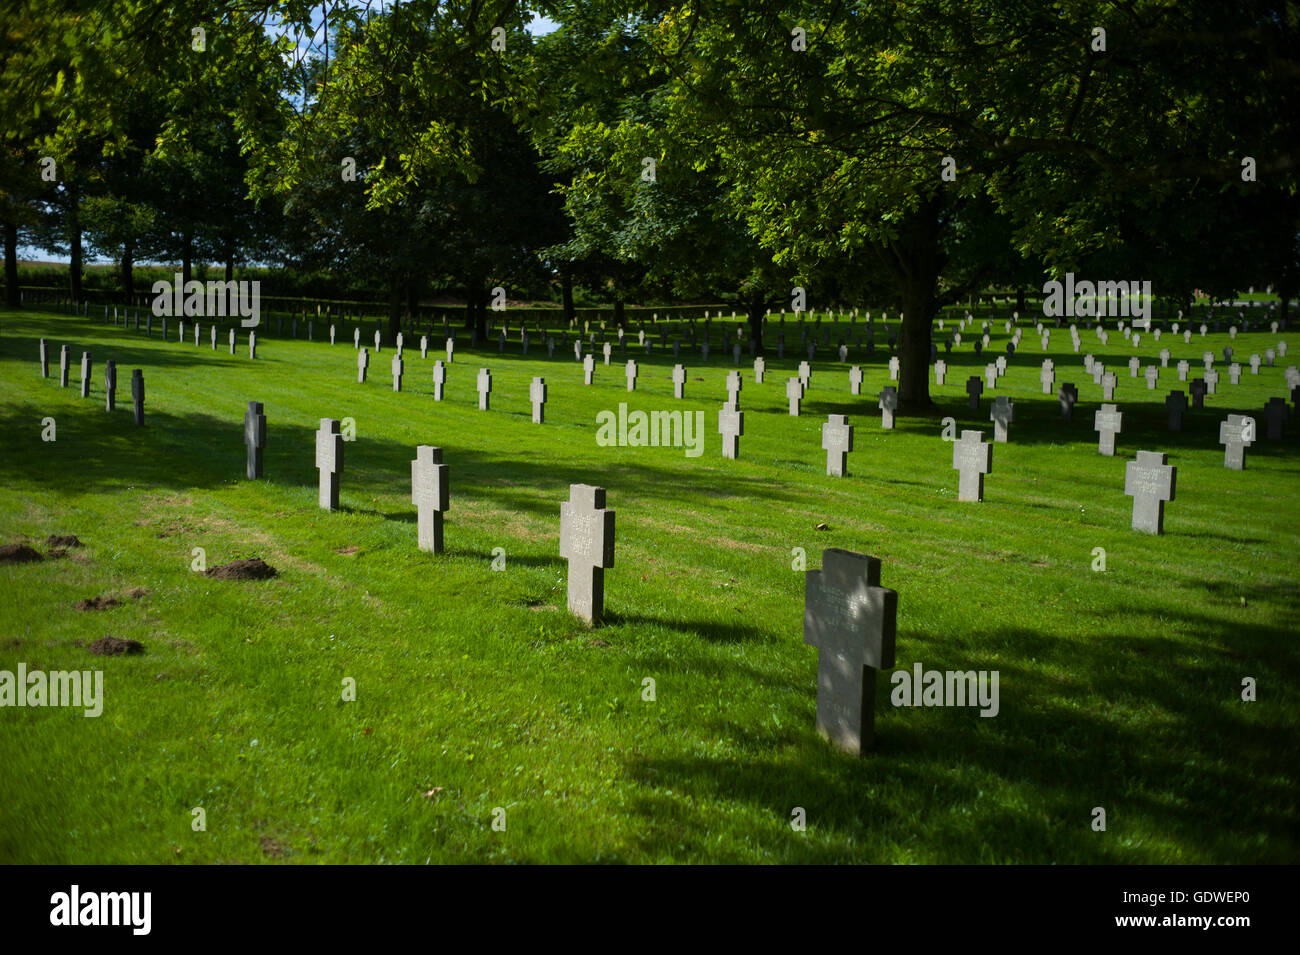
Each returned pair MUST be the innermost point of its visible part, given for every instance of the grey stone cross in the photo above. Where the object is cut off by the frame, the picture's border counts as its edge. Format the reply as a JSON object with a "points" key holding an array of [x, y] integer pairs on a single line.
{"points": [[329, 461], [254, 439], [972, 458], [587, 543], [837, 441], [852, 621], [1150, 482], [429, 494]]}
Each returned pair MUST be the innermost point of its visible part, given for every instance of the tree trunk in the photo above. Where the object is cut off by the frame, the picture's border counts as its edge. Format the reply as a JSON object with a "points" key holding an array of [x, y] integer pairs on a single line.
{"points": [[230, 263], [618, 312], [566, 296], [913, 258], [413, 303], [394, 306], [11, 264], [1020, 301], [755, 311], [77, 253], [127, 271], [187, 256]]}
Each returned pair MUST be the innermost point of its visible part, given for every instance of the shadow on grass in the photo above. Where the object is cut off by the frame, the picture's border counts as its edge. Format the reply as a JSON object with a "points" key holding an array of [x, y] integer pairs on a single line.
{"points": [[1161, 740]]}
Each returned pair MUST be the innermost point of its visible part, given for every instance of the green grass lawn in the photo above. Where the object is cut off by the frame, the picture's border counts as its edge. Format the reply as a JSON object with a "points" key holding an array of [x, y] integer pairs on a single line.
{"points": [[477, 690]]}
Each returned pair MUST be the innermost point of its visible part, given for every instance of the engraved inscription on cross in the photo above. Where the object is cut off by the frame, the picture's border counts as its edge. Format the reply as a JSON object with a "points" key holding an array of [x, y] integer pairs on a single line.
{"points": [[329, 461], [837, 440], [972, 458], [254, 438], [587, 543], [1107, 422], [852, 621], [429, 494], [1150, 482]]}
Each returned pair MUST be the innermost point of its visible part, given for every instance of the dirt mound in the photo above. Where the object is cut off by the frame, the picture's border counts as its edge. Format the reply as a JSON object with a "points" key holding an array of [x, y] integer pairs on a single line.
{"points": [[96, 603], [136, 592], [115, 646], [18, 554], [63, 540], [253, 569]]}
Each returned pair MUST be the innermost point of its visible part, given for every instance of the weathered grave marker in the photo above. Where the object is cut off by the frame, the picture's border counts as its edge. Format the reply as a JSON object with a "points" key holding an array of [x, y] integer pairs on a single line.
{"points": [[430, 493], [852, 621], [1150, 482], [587, 543], [254, 439]]}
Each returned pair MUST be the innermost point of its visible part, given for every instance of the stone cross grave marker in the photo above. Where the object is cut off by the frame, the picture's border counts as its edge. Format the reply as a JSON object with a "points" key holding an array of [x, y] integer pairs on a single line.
{"points": [[356, 337], [587, 543], [1134, 366], [888, 406], [439, 379], [329, 462], [252, 345], [731, 425], [1164, 358], [110, 385], [1234, 373], [399, 366], [1002, 414], [893, 368], [972, 458], [630, 371], [1108, 383], [45, 359], [537, 395], [63, 366], [794, 392], [1176, 405], [1107, 422], [588, 368], [760, 367], [137, 395], [855, 380], [451, 350], [1211, 381], [1254, 364], [1207, 359], [607, 349], [484, 388], [1183, 366], [254, 439], [1047, 375], [85, 374], [991, 376], [363, 362], [852, 621], [974, 388], [734, 383], [940, 371], [378, 342], [837, 440], [805, 374], [1152, 374], [1150, 482], [1236, 435], [679, 380], [333, 330], [430, 494], [1001, 365], [1198, 388]]}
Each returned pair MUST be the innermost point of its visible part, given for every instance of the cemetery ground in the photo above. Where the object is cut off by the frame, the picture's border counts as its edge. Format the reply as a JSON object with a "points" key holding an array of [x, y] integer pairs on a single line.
{"points": [[476, 690]]}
